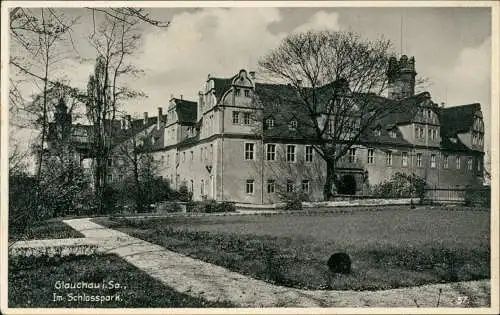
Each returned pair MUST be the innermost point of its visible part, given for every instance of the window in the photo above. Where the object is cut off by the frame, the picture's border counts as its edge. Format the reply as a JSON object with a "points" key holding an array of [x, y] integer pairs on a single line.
{"points": [[183, 156], [201, 154], [421, 133], [445, 161], [433, 161], [290, 153], [237, 92], [293, 125], [246, 118], [429, 133], [110, 178], [305, 186], [429, 114], [419, 159], [192, 155], [271, 152], [479, 164], [388, 157], [247, 93], [474, 138], [249, 151], [202, 187], [290, 187], [371, 156], [236, 118], [352, 155], [270, 185], [469, 164], [392, 133], [120, 177], [377, 131], [457, 162], [270, 123], [309, 153], [404, 158], [110, 162], [249, 186]]}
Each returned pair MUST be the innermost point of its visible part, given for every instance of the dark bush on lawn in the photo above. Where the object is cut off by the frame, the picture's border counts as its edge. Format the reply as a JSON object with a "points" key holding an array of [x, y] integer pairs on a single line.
{"points": [[293, 200], [210, 206], [478, 197]]}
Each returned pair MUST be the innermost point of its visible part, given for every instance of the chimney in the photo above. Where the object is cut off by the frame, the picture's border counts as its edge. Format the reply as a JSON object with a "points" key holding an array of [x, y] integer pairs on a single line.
{"points": [[145, 121], [159, 118], [252, 75], [181, 96], [299, 82], [442, 104]]}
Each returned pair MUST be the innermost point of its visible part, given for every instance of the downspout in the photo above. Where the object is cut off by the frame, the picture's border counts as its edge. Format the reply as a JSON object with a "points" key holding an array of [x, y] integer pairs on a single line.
{"points": [[222, 156]]}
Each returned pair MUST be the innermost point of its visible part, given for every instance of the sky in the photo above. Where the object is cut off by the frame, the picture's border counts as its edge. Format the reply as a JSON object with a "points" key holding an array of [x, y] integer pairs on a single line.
{"points": [[451, 47]]}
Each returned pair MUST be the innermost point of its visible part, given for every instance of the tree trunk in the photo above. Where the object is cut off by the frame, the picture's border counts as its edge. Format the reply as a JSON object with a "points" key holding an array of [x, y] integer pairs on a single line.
{"points": [[139, 198], [329, 186]]}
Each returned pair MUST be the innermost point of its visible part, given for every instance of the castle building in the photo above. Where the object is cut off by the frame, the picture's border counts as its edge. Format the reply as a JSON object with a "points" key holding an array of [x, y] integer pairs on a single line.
{"points": [[235, 144]]}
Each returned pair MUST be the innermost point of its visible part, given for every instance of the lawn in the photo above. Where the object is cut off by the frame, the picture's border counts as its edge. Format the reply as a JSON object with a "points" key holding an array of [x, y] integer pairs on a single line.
{"points": [[34, 281], [49, 229], [389, 248]]}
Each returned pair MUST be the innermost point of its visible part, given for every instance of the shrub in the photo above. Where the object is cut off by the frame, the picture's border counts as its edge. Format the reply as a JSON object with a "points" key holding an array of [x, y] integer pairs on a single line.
{"points": [[293, 200], [210, 206], [477, 197], [184, 194], [401, 185]]}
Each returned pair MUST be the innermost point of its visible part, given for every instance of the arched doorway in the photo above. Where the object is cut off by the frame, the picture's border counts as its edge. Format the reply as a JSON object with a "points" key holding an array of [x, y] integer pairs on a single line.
{"points": [[347, 185]]}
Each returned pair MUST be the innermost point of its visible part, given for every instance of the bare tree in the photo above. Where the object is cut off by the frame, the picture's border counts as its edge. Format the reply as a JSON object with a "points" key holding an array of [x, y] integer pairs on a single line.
{"points": [[335, 81], [115, 41]]}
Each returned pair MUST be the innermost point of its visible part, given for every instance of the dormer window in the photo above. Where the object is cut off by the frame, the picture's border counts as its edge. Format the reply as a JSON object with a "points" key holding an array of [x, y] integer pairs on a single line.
{"points": [[392, 133], [378, 131], [270, 123], [293, 125]]}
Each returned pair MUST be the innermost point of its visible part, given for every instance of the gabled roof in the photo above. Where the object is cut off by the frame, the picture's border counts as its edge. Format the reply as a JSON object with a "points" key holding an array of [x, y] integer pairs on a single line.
{"points": [[457, 119], [221, 85], [187, 111]]}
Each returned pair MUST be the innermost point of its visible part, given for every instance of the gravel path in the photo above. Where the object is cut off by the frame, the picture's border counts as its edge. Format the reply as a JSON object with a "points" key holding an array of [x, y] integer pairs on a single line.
{"points": [[214, 283]]}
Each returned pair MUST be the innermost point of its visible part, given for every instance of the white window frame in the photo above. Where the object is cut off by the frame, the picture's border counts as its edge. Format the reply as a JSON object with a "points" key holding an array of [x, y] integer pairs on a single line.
{"points": [[419, 159], [271, 155], [404, 159], [246, 92], [236, 117], [445, 161], [309, 156], [248, 152], [371, 157], [293, 124], [289, 155], [388, 158], [270, 123], [352, 155], [458, 163], [433, 161], [271, 186], [246, 118], [290, 186], [469, 164], [250, 186]]}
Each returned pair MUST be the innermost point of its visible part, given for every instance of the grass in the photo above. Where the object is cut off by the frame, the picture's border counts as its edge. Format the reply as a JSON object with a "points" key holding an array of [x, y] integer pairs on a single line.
{"points": [[390, 248], [49, 229], [33, 282]]}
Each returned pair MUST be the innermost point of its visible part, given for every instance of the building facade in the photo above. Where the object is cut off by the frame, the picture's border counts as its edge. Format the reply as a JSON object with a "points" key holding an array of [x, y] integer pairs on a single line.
{"points": [[232, 145]]}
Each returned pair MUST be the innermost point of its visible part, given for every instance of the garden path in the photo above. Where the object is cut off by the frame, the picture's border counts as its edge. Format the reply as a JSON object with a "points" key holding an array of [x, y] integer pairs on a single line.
{"points": [[214, 283]]}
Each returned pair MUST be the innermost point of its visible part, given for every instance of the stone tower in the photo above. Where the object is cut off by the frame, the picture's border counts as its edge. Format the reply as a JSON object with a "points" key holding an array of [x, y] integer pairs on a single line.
{"points": [[62, 120], [401, 75]]}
